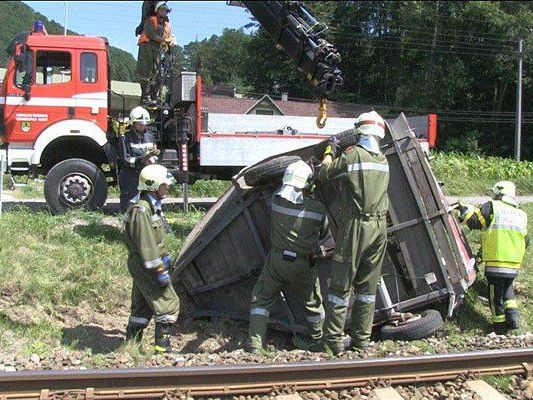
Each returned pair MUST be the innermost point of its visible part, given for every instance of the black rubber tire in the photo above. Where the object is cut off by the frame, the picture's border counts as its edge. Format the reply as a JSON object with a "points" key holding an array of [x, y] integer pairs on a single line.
{"points": [[97, 192], [430, 323], [270, 170], [346, 138]]}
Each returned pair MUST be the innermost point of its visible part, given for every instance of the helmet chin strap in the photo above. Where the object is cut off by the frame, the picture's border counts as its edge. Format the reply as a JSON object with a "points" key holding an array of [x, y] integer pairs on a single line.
{"points": [[370, 143]]}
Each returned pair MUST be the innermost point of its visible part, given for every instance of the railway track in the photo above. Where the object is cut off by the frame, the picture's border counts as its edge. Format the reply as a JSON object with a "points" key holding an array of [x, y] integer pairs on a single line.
{"points": [[256, 379]]}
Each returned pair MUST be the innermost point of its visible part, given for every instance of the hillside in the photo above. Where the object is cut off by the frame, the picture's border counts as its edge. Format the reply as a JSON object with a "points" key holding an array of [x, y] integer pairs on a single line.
{"points": [[16, 17]]}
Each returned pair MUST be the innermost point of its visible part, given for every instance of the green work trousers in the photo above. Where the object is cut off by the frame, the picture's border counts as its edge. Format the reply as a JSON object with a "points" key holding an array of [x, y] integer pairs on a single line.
{"points": [[277, 274], [356, 264], [149, 299], [148, 60]]}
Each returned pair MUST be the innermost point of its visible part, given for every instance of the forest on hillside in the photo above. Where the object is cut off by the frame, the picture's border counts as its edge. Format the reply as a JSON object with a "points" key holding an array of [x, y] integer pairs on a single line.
{"points": [[16, 17]]}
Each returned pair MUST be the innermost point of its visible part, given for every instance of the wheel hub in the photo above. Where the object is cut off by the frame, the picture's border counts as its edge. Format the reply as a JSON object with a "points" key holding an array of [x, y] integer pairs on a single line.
{"points": [[76, 188]]}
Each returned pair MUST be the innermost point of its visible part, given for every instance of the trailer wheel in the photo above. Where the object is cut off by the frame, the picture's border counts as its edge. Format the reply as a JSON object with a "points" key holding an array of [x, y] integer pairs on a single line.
{"points": [[423, 325], [346, 138], [269, 170], [75, 183]]}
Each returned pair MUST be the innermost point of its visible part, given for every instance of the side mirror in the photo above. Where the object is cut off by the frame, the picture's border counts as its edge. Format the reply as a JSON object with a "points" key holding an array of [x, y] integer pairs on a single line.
{"points": [[27, 92]]}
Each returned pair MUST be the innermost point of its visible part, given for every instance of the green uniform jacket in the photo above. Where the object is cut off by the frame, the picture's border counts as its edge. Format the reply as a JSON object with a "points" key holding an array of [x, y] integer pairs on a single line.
{"points": [[363, 193], [297, 227], [144, 234]]}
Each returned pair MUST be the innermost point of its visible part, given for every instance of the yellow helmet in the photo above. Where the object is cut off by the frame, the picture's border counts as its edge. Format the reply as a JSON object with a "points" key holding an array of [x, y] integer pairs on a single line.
{"points": [[154, 175], [504, 188], [139, 114], [297, 174], [370, 123]]}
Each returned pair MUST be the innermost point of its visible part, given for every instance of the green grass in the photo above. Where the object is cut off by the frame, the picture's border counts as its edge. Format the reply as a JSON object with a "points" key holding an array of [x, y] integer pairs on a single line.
{"points": [[34, 188], [79, 259], [70, 260], [465, 175], [499, 382]]}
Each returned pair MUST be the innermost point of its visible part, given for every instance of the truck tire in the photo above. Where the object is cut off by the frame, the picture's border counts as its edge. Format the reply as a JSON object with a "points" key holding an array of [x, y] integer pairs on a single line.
{"points": [[75, 183], [430, 321], [270, 170]]}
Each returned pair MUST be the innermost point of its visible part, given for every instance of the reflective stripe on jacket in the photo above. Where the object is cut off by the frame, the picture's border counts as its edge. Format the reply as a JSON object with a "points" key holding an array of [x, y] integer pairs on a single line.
{"points": [[365, 179], [503, 241], [297, 227]]}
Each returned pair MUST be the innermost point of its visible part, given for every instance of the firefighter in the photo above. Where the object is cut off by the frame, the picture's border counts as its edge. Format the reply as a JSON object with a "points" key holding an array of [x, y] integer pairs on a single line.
{"points": [[152, 292], [156, 37], [147, 11], [298, 222], [362, 237], [136, 149], [503, 241]]}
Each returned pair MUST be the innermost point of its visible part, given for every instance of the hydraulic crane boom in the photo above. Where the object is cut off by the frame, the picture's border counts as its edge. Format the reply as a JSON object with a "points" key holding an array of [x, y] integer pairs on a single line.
{"points": [[297, 32]]}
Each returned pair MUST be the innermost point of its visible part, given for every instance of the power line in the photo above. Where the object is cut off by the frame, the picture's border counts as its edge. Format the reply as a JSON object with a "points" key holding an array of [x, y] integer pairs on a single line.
{"points": [[408, 40], [406, 47]]}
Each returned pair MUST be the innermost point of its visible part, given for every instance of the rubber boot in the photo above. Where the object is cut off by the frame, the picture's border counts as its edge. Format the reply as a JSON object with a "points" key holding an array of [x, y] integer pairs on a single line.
{"points": [[134, 331], [499, 328], [154, 93], [145, 92], [512, 318], [162, 338], [358, 346]]}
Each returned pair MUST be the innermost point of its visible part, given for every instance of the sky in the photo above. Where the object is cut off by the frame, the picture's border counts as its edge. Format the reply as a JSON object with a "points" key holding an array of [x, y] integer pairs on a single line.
{"points": [[117, 20]]}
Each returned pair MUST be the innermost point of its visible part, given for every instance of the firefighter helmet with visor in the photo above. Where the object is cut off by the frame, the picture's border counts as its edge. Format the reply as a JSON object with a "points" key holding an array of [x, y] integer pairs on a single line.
{"points": [[140, 115], [153, 176], [370, 123], [297, 174], [504, 188]]}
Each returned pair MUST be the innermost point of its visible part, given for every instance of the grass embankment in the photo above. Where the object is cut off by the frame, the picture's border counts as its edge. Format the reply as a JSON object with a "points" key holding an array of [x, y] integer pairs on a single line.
{"points": [[465, 175], [50, 263], [53, 269], [34, 188], [462, 175]]}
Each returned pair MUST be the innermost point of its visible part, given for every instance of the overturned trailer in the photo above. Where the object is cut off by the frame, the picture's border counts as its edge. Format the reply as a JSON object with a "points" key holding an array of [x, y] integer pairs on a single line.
{"points": [[428, 260]]}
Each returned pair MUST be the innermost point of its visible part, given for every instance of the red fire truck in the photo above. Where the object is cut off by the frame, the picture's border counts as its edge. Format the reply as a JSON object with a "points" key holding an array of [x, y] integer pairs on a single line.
{"points": [[55, 106]]}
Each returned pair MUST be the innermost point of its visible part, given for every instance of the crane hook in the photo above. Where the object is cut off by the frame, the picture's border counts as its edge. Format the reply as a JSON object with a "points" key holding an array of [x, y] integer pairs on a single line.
{"points": [[322, 113]]}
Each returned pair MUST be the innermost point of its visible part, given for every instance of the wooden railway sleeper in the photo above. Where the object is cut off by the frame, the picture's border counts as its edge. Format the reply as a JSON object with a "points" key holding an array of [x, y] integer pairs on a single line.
{"points": [[528, 369]]}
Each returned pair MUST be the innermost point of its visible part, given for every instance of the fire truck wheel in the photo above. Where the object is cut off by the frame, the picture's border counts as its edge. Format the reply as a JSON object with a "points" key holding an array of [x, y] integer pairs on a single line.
{"points": [[420, 326], [75, 183], [270, 170]]}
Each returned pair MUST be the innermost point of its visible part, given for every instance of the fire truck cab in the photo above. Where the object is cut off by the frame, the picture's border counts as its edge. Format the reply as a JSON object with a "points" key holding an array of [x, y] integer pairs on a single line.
{"points": [[54, 108]]}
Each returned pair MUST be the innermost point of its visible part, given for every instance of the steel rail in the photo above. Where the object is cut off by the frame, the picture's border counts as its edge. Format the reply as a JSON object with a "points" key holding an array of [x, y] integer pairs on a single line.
{"points": [[260, 378]]}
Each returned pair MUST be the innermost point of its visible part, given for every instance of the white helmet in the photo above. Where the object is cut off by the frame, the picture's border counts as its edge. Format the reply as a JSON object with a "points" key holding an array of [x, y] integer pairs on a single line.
{"points": [[139, 114], [370, 123], [297, 174], [154, 175], [161, 4], [504, 188]]}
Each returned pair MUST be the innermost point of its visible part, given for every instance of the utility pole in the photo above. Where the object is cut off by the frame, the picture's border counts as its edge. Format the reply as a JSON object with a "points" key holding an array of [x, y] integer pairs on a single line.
{"points": [[518, 128], [66, 18]]}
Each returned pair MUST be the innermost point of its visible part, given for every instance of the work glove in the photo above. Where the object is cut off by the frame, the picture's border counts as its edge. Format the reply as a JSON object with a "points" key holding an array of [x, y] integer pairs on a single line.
{"points": [[152, 152], [163, 277], [167, 260], [172, 42], [332, 147], [464, 210]]}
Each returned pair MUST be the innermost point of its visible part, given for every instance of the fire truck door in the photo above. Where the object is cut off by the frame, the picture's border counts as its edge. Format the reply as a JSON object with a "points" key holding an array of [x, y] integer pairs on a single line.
{"points": [[50, 97]]}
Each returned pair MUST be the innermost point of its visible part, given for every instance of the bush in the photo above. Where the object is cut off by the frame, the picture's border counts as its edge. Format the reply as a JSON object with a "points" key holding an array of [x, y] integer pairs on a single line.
{"points": [[465, 175]]}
